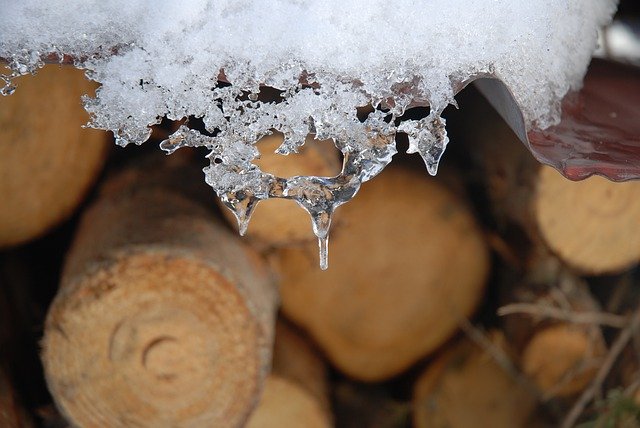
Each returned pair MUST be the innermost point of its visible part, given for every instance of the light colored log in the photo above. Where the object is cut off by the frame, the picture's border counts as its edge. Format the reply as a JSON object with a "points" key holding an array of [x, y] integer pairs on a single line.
{"points": [[407, 263], [162, 318], [466, 388], [296, 392], [48, 161], [592, 225]]}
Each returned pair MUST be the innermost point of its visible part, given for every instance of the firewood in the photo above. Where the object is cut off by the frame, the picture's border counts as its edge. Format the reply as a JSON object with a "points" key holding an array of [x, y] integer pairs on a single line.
{"points": [[296, 392], [466, 387], [555, 328], [592, 224], [280, 222], [162, 318], [48, 161], [406, 264]]}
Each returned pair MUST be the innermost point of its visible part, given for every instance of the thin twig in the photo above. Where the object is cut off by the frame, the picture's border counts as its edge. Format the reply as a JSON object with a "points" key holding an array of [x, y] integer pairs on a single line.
{"points": [[616, 349], [498, 355], [600, 318]]}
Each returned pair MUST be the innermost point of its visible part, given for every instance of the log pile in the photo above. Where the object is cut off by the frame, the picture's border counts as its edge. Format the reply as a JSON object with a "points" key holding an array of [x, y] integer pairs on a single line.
{"points": [[505, 297]]}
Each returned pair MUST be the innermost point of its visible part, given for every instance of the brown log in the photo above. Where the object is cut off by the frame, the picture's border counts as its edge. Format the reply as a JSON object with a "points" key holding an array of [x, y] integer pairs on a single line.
{"points": [[162, 318], [406, 264], [466, 387], [296, 392], [280, 222], [47, 160], [555, 328], [592, 225]]}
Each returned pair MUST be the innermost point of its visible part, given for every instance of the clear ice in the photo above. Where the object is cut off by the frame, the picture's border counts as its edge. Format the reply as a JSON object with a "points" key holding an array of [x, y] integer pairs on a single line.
{"points": [[241, 185], [326, 58]]}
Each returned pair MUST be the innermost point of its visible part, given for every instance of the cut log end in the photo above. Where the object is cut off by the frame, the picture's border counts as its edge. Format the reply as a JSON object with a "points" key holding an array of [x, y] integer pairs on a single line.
{"points": [[296, 392], [407, 264], [466, 387], [47, 160], [592, 224], [162, 318], [153, 337], [286, 404], [562, 359]]}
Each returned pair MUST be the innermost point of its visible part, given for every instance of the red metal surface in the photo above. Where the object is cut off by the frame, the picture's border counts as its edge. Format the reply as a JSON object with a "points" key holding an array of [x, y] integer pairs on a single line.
{"points": [[600, 128]]}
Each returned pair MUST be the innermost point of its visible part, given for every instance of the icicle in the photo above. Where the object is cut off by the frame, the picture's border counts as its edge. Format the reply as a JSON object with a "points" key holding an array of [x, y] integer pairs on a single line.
{"points": [[321, 223], [242, 207], [428, 137]]}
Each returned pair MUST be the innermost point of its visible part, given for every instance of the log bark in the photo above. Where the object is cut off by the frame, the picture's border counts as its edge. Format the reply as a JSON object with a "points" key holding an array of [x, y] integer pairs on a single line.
{"points": [[48, 161], [162, 317], [280, 222], [407, 262], [466, 387], [296, 392], [592, 225]]}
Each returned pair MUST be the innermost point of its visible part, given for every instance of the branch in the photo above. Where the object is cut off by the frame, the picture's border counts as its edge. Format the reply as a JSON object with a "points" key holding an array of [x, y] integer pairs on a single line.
{"points": [[601, 318]]}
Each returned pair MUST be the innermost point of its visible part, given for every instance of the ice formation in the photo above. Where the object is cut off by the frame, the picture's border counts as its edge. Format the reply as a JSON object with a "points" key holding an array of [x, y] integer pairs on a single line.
{"points": [[209, 59]]}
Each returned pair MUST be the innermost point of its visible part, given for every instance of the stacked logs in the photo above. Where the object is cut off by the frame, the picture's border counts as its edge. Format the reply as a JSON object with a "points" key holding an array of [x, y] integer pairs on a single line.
{"points": [[165, 317]]}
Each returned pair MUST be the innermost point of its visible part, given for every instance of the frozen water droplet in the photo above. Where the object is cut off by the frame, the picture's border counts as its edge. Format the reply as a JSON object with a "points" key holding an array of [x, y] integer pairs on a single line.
{"points": [[7, 90], [321, 224], [242, 206], [323, 244], [121, 141], [428, 137]]}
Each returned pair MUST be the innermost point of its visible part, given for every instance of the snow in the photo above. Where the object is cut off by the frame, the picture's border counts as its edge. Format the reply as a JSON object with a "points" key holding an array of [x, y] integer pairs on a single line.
{"points": [[158, 59]]}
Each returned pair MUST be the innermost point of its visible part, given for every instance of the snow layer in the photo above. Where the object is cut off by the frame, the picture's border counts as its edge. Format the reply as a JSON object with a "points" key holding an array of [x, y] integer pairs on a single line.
{"points": [[157, 58]]}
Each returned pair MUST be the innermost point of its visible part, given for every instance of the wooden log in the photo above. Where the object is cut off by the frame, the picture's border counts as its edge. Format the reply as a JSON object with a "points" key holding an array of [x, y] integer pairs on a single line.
{"points": [[466, 387], [406, 264], [280, 222], [48, 161], [296, 392], [162, 318], [554, 327], [592, 225]]}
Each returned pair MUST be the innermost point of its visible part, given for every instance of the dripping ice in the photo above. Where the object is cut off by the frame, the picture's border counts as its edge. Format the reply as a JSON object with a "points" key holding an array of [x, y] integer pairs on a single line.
{"points": [[242, 185], [210, 59]]}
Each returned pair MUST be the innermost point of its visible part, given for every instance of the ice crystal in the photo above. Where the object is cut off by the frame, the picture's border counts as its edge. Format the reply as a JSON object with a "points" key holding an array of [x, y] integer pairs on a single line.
{"points": [[210, 58]]}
